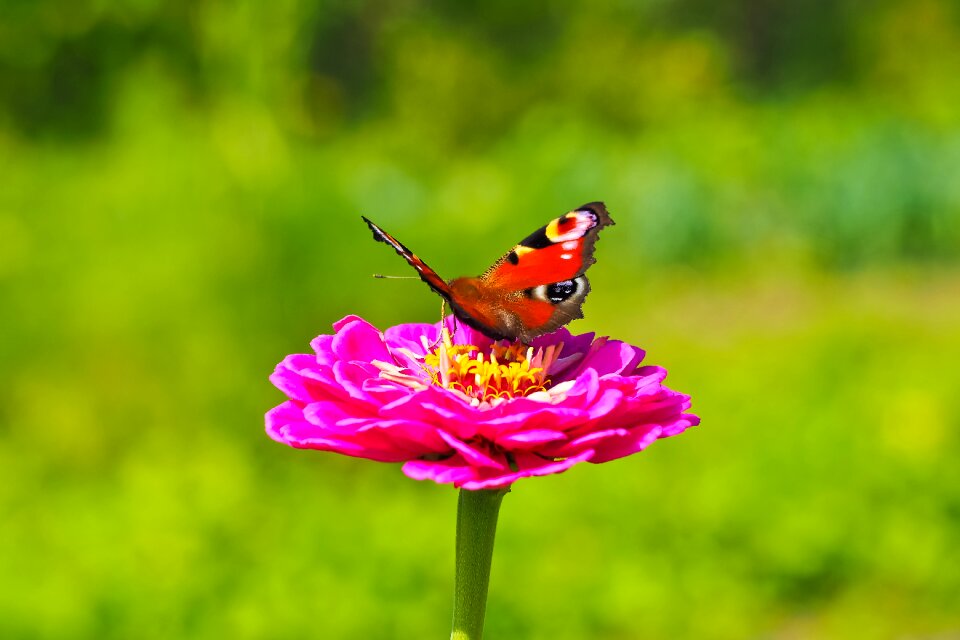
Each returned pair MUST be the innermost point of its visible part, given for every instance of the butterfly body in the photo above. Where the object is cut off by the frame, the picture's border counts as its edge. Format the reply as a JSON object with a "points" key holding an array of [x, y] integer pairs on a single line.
{"points": [[536, 287]]}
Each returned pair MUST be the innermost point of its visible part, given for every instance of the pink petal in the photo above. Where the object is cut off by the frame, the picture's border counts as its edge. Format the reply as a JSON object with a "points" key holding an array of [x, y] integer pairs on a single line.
{"points": [[530, 465], [357, 339], [453, 470], [618, 446], [288, 379], [613, 357], [322, 346], [307, 436], [532, 439], [408, 336], [472, 454], [351, 376]]}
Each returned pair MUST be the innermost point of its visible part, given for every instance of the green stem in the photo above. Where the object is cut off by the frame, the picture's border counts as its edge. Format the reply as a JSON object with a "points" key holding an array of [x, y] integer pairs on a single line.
{"points": [[476, 527]]}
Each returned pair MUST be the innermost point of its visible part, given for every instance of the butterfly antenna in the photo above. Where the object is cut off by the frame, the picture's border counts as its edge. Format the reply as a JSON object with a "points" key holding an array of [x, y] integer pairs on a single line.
{"points": [[383, 277]]}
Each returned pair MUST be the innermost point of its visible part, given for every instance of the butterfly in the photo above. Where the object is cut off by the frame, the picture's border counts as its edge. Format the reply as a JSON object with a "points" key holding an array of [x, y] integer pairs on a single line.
{"points": [[536, 287]]}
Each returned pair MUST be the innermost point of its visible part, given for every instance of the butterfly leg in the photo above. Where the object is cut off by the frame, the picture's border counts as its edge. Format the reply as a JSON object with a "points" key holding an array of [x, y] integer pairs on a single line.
{"points": [[443, 313]]}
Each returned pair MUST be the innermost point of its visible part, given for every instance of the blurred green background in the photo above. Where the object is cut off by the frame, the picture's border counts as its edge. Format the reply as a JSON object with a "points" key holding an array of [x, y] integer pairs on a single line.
{"points": [[180, 191]]}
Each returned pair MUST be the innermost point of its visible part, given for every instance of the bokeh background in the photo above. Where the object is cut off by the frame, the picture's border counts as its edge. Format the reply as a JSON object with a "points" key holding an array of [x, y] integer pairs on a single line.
{"points": [[180, 191]]}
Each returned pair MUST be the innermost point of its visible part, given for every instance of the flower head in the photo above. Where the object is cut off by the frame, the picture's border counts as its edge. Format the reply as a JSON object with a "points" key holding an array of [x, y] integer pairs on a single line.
{"points": [[457, 407]]}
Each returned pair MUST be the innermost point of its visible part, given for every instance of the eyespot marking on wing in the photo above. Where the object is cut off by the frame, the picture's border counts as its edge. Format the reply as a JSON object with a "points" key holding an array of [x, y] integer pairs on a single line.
{"points": [[557, 292]]}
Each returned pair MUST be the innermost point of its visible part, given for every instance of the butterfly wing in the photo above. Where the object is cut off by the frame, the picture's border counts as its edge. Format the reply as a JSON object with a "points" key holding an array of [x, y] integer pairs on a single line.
{"points": [[540, 285], [560, 250], [427, 274]]}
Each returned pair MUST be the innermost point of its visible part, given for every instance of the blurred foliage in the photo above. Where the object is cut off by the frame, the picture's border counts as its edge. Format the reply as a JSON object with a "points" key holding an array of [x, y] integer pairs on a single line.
{"points": [[179, 208]]}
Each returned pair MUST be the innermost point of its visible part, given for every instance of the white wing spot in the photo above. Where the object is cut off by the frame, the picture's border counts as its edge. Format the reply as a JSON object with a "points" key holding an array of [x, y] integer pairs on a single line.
{"points": [[569, 246], [566, 256], [584, 222]]}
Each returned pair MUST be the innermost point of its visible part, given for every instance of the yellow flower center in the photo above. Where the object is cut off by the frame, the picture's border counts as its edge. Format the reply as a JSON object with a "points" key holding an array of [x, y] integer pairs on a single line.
{"points": [[507, 371]]}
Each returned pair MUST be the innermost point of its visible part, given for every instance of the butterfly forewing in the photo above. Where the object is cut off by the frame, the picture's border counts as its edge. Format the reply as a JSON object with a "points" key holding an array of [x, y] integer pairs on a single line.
{"points": [[427, 274], [560, 250]]}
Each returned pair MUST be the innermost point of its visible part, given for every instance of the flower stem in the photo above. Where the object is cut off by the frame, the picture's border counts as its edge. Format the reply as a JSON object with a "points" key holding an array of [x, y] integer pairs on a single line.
{"points": [[476, 527]]}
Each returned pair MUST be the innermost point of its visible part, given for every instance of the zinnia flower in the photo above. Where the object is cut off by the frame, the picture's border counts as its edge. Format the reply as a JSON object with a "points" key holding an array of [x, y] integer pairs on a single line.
{"points": [[457, 407]]}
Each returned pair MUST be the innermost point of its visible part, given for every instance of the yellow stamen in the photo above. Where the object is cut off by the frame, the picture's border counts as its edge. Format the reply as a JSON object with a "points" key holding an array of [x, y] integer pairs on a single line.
{"points": [[505, 372]]}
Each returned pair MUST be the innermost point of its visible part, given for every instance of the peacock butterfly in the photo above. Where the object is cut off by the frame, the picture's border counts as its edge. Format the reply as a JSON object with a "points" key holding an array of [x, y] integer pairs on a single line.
{"points": [[537, 286]]}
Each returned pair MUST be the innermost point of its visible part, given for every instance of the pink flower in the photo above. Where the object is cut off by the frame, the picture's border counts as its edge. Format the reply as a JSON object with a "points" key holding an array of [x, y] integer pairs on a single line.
{"points": [[460, 408]]}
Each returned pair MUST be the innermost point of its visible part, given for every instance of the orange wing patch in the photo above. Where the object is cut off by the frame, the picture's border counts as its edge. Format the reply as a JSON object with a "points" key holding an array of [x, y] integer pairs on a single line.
{"points": [[531, 313], [537, 266]]}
